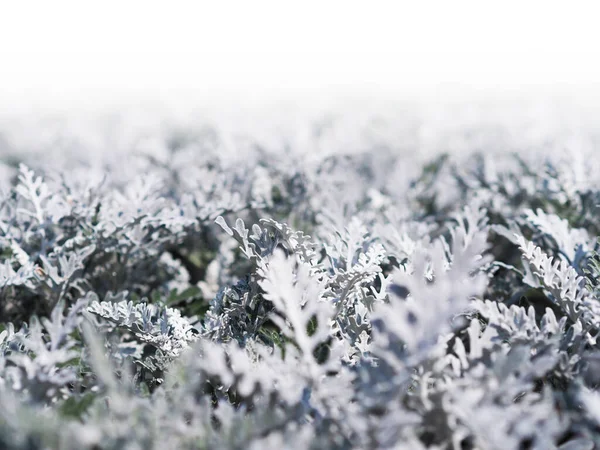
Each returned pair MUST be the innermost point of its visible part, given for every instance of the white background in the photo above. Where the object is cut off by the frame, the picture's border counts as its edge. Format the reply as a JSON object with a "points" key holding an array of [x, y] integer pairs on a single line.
{"points": [[79, 52]]}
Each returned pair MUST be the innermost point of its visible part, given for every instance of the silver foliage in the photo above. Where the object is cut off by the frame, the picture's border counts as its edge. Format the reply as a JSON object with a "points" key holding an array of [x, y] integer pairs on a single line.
{"points": [[177, 295]]}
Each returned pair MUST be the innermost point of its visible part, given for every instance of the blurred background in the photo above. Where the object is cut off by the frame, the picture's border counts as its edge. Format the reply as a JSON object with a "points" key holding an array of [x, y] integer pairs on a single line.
{"points": [[64, 54], [81, 82]]}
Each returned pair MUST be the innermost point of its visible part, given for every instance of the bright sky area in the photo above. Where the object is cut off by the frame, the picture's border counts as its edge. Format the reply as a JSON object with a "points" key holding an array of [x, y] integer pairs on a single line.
{"points": [[84, 52]]}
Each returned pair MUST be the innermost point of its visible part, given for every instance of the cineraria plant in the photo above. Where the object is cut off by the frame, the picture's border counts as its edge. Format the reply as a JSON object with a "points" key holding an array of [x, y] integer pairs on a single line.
{"points": [[389, 291]]}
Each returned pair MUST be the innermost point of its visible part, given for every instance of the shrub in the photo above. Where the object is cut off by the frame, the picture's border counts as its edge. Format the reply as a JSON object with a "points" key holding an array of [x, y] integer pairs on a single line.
{"points": [[202, 300]]}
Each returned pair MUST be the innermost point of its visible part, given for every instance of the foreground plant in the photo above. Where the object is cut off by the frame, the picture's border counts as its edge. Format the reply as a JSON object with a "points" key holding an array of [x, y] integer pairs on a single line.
{"points": [[215, 303]]}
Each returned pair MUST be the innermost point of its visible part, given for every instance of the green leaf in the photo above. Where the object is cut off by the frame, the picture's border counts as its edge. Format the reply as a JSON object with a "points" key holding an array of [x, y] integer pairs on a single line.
{"points": [[75, 407], [178, 297]]}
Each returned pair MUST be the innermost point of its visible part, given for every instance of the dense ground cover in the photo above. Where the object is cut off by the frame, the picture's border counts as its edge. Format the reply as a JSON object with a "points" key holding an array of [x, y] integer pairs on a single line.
{"points": [[347, 282]]}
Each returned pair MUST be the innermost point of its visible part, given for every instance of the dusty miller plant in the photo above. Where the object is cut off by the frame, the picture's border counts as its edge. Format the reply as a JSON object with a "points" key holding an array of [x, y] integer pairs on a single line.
{"points": [[181, 296]]}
